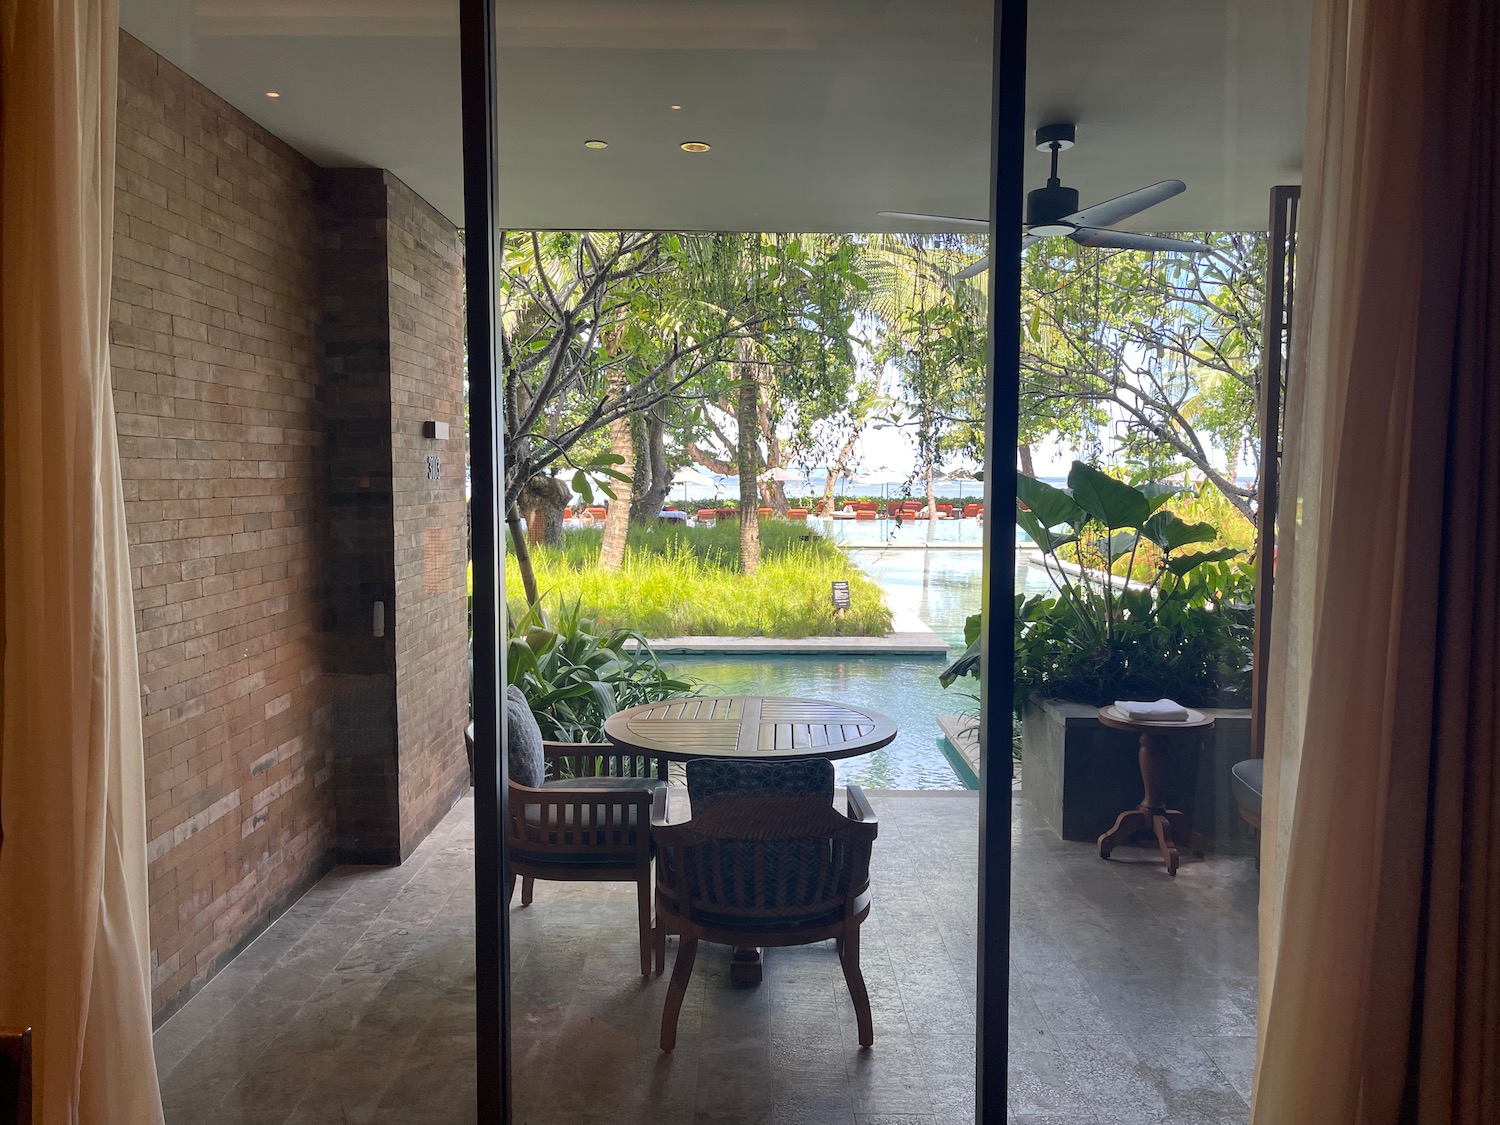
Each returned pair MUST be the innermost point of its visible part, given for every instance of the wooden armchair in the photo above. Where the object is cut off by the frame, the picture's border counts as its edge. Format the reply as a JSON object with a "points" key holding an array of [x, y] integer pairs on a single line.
{"points": [[764, 870], [588, 820]]}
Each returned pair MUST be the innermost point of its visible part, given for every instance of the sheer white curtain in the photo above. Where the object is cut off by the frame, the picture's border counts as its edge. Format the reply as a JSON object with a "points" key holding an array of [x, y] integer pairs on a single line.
{"points": [[1380, 886], [73, 929]]}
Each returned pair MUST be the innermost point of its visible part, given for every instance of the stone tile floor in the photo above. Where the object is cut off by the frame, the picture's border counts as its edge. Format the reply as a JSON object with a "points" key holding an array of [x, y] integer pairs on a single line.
{"points": [[1133, 999]]}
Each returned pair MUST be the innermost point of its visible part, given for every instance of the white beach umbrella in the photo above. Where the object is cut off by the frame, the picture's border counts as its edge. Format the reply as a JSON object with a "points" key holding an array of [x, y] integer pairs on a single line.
{"points": [[688, 475]]}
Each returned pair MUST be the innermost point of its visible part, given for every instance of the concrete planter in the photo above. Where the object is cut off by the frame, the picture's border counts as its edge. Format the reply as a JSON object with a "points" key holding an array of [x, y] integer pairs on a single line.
{"points": [[1080, 774]]}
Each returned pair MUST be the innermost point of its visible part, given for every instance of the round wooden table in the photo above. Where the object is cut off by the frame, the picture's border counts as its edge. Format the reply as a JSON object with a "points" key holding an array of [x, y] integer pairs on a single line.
{"points": [[759, 727], [1152, 814], [752, 727]]}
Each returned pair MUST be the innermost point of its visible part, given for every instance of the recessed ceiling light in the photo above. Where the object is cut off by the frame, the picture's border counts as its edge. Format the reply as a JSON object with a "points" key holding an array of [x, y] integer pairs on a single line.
{"points": [[595, 144], [272, 94], [676, 107], [694, 146]]}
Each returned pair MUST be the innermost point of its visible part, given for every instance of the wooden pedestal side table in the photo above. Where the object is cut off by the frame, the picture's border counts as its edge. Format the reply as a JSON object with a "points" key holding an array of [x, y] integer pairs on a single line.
{"points": [[1152, 815]]}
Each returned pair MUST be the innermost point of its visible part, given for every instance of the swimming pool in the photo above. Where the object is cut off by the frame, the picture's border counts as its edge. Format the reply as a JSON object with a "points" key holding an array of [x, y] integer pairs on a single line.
{"points": [[908, 534], [941, 588]]}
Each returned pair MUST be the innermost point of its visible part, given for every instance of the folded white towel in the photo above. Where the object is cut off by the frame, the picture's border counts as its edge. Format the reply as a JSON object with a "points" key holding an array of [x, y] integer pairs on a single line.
{"points": [[1161, 711]]}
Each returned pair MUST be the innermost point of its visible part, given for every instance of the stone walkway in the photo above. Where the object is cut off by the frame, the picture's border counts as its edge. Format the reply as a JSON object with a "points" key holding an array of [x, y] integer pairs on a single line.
{"points": [[1134, 999]]}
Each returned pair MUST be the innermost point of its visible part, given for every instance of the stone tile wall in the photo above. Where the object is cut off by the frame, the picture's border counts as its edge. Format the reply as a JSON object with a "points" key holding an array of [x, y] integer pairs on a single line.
{"points": [[392, 331], [356, 334], [221, 431]]}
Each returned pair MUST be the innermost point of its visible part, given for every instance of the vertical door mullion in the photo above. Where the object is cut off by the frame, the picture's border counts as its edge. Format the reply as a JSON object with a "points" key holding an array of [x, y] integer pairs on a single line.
{"points": [[481, 260], [1002, 407]]}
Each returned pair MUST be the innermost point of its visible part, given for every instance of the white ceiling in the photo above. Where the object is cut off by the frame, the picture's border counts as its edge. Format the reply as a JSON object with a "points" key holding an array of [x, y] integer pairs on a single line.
{"points": [[820, 112]]}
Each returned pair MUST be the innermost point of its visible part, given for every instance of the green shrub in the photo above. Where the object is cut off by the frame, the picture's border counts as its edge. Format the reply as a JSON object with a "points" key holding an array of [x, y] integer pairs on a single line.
{"points": [[1186, 632], [575, 675]]}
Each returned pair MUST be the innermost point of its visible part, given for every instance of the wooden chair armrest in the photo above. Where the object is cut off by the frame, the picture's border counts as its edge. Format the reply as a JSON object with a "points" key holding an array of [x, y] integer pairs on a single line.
{"points": [[859, 808], [659, 808], [583, 795]]}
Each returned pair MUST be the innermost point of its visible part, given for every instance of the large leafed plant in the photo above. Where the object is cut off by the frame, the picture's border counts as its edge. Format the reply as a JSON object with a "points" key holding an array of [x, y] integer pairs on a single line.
{"points": [[576, 675], [1186, 633]]}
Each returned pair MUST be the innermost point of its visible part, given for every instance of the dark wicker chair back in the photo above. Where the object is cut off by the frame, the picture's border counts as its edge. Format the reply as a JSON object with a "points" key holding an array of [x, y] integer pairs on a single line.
{"points": [[765, 861], [763, 870]]}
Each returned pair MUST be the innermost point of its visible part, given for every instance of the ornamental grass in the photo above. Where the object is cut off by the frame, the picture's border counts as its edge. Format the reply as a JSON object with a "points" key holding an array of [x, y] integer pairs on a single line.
{"points": [[685, 581]]}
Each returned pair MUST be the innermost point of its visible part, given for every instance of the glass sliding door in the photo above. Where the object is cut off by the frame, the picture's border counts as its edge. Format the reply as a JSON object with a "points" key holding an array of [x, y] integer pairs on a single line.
{"points": [[1158, 135], [740, 453]]}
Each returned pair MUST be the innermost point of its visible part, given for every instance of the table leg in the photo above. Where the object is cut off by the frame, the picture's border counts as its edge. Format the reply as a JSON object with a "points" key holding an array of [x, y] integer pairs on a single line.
{"points": [[745, 965], [1152, 814]]}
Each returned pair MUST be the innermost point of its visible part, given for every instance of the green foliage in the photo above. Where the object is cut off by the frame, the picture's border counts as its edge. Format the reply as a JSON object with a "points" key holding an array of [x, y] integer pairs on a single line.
{"points": [[1191, 642], [575, 674], [1169, 344], [1186, 633], [681, 581]]}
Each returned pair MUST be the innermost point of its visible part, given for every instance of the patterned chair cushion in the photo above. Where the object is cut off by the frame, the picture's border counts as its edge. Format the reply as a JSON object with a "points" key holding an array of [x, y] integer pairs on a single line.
{"points": [[710, 780], [524, 740]]}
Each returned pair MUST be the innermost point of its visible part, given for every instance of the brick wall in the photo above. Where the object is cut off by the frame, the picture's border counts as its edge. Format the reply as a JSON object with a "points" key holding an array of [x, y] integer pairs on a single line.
{"points": [[425, 268], [221, 427], [280, 333]]}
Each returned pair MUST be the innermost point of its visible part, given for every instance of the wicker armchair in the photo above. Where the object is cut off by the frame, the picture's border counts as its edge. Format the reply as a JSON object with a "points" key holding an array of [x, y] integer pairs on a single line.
{"points": [[768, 869], [588, 820]]}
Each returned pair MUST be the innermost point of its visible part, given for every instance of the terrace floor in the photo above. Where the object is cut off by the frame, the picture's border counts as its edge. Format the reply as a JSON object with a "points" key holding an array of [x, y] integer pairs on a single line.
{"points": [[1133, 999]]}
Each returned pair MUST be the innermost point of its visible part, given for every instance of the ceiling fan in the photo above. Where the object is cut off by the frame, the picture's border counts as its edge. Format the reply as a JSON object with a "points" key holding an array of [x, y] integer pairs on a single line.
{"points": [[1053, 210]]}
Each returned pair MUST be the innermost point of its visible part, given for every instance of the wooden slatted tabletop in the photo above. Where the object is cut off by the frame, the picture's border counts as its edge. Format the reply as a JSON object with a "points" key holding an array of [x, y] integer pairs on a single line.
{"points": [[750, 726]]}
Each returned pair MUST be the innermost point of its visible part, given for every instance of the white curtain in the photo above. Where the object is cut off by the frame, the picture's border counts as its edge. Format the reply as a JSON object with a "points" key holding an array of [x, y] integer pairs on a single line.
{"points": [[1380, 884], [73, 923]]}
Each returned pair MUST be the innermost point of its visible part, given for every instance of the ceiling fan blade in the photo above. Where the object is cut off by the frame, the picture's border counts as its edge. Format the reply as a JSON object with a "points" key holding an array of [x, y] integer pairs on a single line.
{"points": [[984, 263], [973, 271], [1123, 240], [956, 220], [1111, 211]]}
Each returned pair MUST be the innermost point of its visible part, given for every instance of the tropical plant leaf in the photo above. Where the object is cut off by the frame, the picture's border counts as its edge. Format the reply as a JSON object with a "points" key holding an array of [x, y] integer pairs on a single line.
{"points": [[1184, 563], [1113, 503], [972, 625], [1169, 532], [966, 665], [1158, 493], [1050, 505], [1122, 543]]}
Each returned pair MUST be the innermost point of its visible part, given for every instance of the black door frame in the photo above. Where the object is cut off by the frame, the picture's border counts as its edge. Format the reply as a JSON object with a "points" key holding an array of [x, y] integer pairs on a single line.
{"points": [[481, 206]]}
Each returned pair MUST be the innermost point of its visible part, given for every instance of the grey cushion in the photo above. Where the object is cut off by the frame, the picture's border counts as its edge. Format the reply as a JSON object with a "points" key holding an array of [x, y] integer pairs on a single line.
{"points": [[1247, 780], [524, 740]]}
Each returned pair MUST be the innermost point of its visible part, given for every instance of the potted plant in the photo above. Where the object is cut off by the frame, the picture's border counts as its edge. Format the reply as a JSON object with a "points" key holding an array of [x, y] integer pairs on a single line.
{"points": [[1140, 608]]}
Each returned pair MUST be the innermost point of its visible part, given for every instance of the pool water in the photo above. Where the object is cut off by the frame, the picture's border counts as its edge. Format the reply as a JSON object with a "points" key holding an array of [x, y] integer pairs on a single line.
{"points": [[908, 533], [941, 588]]}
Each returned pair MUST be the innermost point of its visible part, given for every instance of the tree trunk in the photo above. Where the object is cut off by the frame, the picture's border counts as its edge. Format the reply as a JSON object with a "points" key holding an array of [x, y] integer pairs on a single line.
{"points": [[748, 417], [543, 501], [836, 470], [932, 512], [522, 551], [1026, 465], [773, 496], [654, 482], [617, 521]]}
